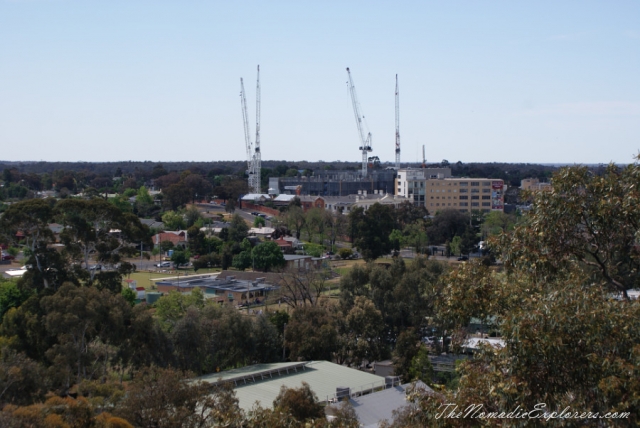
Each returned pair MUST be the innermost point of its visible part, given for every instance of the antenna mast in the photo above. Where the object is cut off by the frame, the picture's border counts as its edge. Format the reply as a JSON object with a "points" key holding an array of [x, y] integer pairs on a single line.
{"points": [[397, 125], [424, 159], [257, 159], [365, 143]]}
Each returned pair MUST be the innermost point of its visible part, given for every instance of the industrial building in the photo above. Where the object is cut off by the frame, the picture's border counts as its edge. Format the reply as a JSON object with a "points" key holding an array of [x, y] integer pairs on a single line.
{"points": [[335, 183], [221, 289], [261, 382]]}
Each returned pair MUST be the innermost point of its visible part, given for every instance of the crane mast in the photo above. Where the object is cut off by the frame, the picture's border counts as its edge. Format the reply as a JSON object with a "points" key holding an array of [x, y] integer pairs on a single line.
{"points": [[397, 125], [365, 143], [257, 159]]}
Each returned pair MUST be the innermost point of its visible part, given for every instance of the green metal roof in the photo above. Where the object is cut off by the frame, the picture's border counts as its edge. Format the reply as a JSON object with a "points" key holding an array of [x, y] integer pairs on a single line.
{"points": [[262, 382], [253, 373]]}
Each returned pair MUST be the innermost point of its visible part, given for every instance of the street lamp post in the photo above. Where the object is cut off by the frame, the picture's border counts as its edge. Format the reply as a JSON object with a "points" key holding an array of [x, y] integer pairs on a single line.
{"points": [[284, 329]]}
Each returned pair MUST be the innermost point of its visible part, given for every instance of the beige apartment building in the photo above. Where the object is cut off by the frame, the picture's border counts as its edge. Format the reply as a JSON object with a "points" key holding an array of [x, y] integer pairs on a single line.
{"points": [[464, 194], [534, 185], [437, 190]]}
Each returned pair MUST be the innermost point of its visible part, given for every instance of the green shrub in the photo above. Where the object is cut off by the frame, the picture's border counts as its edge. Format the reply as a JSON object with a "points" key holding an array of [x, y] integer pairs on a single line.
{"points": [[345, 253]]}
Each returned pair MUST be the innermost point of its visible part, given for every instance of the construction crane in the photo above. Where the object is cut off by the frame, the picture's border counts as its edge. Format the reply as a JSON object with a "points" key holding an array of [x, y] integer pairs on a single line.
{"points": [[365, 143], [253, 152], [247, 138], [257, 158], [397, 125]]}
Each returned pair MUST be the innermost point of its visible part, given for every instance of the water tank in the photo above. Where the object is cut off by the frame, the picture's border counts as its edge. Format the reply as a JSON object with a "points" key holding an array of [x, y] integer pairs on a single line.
{"points": [[152, 297]]}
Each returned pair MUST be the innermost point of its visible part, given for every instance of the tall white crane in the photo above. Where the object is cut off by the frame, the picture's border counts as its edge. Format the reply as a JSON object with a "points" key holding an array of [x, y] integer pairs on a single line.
{"points": [[365, 143], [257, 158], [253, 152], [247, 137], [397, 125]]}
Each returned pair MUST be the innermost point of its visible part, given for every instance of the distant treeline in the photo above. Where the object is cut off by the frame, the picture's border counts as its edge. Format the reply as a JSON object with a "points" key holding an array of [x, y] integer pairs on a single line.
{"points": [[512, 173]]}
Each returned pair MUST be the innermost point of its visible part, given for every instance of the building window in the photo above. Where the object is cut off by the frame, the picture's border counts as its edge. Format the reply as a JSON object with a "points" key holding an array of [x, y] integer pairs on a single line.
{"points": [[486, 204], [475, 204], [475, 190], [464, 190], [486, 197], [464, 204], [475, 183], [464, 197], [464, 183], [486, 184], [486, 190], [475, 197]]}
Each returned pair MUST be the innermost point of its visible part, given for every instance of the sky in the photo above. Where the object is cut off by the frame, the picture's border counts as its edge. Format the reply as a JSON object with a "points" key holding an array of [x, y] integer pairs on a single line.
{"points": [[480, 81]]}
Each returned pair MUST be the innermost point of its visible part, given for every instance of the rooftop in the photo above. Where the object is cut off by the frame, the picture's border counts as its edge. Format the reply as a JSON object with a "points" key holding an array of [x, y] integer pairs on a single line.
{"points": [[228, 283], [374, 408], [262, 382]]}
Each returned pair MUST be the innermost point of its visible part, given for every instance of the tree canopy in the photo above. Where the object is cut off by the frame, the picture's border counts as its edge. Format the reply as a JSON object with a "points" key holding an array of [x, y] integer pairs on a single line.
{"points": [[560, 305]]}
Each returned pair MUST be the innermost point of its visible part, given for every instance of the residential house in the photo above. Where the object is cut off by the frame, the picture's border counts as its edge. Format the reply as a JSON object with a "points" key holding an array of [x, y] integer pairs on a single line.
{"points": [[294, 261], [179, 238]]}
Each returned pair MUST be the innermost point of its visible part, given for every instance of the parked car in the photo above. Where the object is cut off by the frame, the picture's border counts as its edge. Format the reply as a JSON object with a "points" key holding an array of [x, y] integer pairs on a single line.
{"points": [[163, 264], [262, 215], [95, 267], [463, 258], [429, 340], [7, 257]]}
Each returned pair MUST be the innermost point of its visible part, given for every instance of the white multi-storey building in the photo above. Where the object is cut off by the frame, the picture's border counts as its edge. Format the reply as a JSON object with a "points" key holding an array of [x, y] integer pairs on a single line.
{"points": [[411, 183]]}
